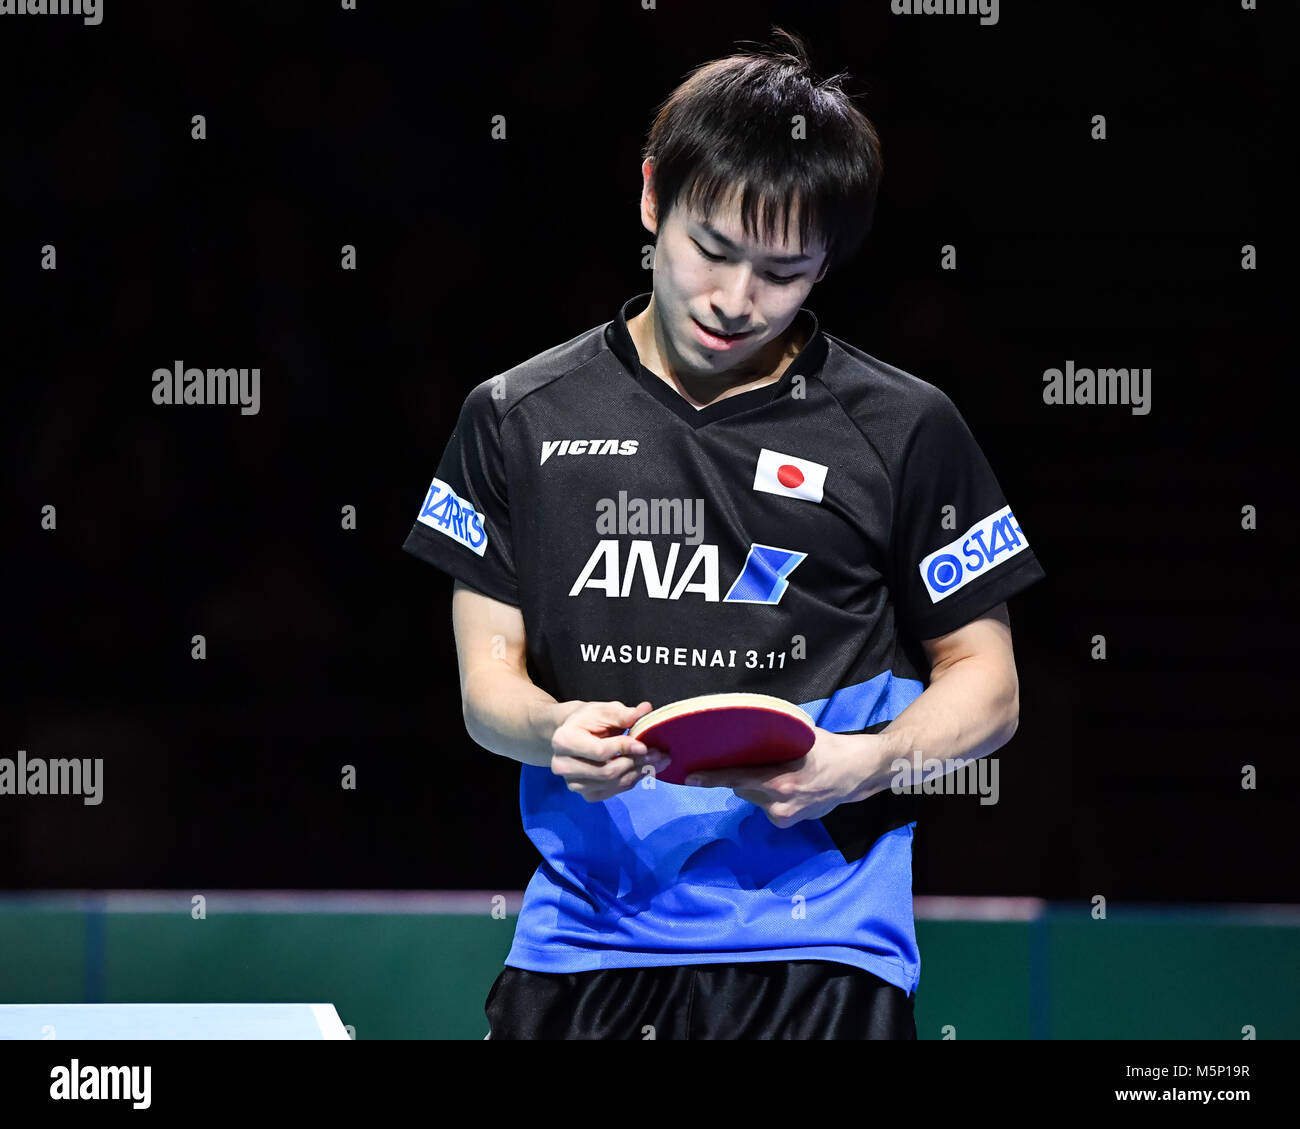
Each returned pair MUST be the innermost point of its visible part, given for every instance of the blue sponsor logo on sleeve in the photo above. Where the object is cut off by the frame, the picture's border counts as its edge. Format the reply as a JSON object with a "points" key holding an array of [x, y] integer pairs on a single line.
{"points": [[447, 512], [984, 546]]}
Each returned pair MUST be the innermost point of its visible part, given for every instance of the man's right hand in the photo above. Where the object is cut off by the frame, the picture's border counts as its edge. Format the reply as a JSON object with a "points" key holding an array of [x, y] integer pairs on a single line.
{"points": [[593, 754]]}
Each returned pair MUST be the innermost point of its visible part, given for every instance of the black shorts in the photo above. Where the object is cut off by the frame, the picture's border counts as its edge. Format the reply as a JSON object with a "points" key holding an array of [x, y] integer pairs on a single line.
{"points": [[808, 999]]}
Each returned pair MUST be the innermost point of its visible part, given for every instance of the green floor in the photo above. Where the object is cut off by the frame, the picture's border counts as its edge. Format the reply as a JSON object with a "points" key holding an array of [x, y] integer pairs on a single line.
{"points": [[1137, 975]]}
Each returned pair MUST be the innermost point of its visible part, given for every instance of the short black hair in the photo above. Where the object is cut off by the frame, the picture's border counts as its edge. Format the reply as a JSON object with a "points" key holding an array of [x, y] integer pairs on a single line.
{"points": [[730, 123]]}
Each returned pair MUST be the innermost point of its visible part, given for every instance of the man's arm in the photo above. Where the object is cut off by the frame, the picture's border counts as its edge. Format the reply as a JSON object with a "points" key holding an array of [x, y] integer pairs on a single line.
{"points": [[584, 743], [504, 711], [972, 705], [970, 708]]}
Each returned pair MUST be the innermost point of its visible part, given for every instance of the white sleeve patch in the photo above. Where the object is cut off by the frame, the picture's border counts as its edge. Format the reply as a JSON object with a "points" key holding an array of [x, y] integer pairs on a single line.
{"points": [[985, 545], [447, 512]]}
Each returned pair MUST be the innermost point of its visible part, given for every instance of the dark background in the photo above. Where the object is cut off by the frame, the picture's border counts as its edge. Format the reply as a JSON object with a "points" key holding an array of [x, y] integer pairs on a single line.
{"points": [[328, 647]]}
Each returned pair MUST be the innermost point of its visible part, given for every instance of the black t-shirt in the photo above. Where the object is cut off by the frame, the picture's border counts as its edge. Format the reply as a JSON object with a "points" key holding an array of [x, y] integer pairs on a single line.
{"points": [[797, 539]]}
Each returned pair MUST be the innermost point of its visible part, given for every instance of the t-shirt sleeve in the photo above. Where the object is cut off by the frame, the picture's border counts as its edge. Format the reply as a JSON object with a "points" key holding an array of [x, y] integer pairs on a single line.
{"points": [[958, 549], [463, 525]]}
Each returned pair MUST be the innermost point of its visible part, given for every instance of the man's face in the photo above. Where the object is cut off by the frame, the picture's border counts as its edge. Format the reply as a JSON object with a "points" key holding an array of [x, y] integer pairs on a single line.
{"points": [[709, 277]]}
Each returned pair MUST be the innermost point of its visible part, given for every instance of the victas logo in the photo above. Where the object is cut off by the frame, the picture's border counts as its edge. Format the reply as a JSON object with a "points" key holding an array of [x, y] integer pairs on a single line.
{"points": [[762, 579], [587, 447], [985, 545], [447, 512]]}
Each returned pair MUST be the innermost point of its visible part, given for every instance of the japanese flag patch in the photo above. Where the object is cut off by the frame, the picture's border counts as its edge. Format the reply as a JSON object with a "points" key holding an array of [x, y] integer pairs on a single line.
{"points": [[789, 476]]}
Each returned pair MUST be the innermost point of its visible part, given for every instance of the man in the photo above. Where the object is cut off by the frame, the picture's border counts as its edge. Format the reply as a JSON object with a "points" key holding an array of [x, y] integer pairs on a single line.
{"points": [[709, 493]]}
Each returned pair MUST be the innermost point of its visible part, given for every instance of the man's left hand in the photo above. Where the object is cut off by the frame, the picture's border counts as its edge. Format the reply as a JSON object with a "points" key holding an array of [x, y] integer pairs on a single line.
{"points": [[839, 767]]}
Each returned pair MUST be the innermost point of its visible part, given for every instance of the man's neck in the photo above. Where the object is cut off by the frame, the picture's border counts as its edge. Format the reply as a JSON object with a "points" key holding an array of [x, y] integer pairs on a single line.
{"points": [[765, 368]]}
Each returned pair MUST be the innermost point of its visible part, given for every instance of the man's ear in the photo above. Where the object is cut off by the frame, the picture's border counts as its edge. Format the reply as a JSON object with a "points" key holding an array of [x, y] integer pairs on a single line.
{"points": [[649, 205]]}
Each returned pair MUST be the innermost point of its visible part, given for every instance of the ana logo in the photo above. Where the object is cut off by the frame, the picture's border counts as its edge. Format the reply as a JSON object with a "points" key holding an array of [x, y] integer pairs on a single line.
{"points": [[447, 512], [789, 476], [762, 578], [985, 545], [587, 447]]}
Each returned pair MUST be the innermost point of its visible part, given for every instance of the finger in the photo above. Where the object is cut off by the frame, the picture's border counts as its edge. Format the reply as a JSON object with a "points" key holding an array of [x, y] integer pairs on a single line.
{"points": [[621, 715], [598, 774], [607, 773], [718, 778], [592, 785], [628, 780], [600, 750], [604, 790], [612, 771], [578, 771], [755, 777]]}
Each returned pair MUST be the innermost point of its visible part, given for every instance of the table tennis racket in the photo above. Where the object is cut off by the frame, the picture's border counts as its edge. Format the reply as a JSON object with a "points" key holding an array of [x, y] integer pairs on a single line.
{"points": [[725, 731]]}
